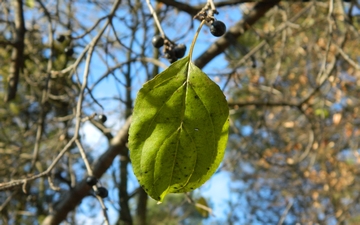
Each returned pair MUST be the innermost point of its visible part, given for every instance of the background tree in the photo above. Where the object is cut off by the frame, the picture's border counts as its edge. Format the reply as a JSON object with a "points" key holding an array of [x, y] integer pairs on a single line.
{"points": [[289, 70]]}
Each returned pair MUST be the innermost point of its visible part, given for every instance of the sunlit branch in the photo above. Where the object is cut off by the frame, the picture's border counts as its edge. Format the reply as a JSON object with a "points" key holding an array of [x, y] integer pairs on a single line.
{"points": [[157, 22]]}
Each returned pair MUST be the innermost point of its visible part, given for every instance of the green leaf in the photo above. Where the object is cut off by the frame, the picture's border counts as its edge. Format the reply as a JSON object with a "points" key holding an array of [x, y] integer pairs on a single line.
{"points": [[179, 130], [30, 3], [322, 113]]}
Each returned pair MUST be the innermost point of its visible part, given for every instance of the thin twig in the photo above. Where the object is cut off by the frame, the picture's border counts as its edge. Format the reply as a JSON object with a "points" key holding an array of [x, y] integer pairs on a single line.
{"points": [[44, 96], [347, 57], [83, 156], [204, 207], [8, 199], [279, 29], [156, 19], [286, 211], [322, 73]]}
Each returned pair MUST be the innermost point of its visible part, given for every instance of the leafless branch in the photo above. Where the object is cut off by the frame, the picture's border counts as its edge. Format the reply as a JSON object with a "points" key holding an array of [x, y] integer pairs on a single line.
{"points": [[17, 55], [74, 196], [234, 32]]}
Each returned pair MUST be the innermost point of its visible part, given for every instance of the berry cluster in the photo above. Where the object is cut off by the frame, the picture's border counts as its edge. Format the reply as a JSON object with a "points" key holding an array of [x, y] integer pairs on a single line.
{"points": [[172, 51], [69, 51], [101, 191]]}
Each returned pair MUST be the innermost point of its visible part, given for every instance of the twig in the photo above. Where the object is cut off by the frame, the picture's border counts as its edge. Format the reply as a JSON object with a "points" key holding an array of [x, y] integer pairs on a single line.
{"points": [[286, 211], [346, 57], [212, 5], [260, 103], [44, 96], [234, 32], [204, 207], [73, 197], [8, 199], [156, 19], [279, 29], [83, 156], [90, 29], [322, 73], [52, 185], [89, 49]]}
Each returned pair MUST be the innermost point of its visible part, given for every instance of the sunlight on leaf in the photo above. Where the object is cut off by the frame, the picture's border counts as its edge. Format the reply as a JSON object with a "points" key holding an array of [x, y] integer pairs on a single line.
{"points": [[179, 131]]}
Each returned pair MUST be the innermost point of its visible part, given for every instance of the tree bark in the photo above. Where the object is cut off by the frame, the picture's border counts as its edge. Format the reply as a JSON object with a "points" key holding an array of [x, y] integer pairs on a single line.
{"points": [[141, 207], [17, 55]]}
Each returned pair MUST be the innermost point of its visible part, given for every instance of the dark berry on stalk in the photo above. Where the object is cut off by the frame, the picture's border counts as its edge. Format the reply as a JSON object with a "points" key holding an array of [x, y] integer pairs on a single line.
{"points": [[172, 60], [167, 55], [69, 51], [180, 50], [158, 41], [91, 180], [217, 28], [60, 38], [102, 192], [102, 118]]}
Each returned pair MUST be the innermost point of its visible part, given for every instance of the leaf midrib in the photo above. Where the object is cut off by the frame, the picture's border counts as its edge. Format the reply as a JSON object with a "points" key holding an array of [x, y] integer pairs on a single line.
{"points": [[156, 115]]}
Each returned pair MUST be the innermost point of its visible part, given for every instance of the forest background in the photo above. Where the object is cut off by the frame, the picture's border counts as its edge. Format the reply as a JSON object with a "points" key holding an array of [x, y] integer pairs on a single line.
{"points": [[290, 72]]}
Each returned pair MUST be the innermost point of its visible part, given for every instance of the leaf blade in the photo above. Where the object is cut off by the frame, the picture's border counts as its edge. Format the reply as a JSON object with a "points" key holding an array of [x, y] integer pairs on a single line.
{"points": [[179, 133]]}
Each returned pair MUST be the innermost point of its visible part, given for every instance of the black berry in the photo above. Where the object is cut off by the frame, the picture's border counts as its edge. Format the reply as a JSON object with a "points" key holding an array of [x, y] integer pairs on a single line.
{"points": [[172, 60], [69, 51], [91, 180], [170, 57], [60, 38], [217, 28], [102, 192], [180, 50], [102, 118], [167, 55], [158, 41]]}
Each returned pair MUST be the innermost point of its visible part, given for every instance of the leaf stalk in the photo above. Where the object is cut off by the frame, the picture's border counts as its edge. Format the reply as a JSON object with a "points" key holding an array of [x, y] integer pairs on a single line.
{"points": [[195, 38]]}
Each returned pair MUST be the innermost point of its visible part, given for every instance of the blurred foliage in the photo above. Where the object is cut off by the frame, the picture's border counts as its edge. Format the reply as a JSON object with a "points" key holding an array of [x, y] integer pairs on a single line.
{"points": [[293, 92], [301, 101]]}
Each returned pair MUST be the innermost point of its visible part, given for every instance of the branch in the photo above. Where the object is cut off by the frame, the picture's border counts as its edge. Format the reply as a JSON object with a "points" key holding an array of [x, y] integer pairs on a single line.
{"points": [[193, 10], [182, 7], [234, 32], [141, 207], [285, 213], [74, 196], [260, 103], [17, 54], [6, 43]]}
